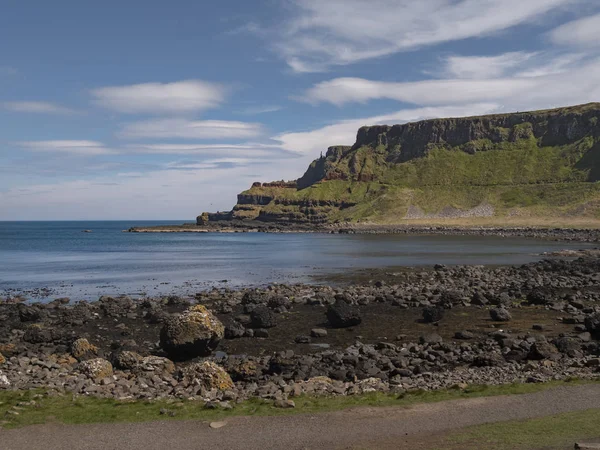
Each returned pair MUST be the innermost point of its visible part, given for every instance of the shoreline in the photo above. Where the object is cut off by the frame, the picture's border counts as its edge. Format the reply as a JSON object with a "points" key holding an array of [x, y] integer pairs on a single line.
{"points": [[426, 329], [539, 232]]}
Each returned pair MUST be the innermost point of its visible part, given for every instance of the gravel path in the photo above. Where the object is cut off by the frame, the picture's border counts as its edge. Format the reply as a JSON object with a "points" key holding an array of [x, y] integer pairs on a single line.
{"points": [[364, 428]]}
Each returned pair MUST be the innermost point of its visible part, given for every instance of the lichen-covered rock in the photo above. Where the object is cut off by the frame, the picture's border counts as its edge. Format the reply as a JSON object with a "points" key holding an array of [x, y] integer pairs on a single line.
{"points": [[195, 332], [81, 349], [156, 364], [500, 315], [127, 360], [207, 375], [242, 369], [342, 315], [96, 368]]}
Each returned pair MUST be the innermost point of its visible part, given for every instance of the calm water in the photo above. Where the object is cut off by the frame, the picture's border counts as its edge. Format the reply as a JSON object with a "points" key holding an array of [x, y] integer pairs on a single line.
{"points": [[59, 256]]}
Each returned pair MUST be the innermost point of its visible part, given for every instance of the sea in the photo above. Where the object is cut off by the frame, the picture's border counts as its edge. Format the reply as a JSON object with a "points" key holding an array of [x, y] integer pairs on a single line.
{"points": [[47, 260]]}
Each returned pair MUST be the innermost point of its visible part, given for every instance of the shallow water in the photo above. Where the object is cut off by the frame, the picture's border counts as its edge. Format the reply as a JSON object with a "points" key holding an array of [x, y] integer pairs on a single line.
{"points": [[60, 257]]}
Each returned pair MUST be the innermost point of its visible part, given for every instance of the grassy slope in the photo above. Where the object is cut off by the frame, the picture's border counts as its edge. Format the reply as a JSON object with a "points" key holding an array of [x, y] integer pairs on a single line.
{"points": [[549, 433], [519, 179], [70, 409]]}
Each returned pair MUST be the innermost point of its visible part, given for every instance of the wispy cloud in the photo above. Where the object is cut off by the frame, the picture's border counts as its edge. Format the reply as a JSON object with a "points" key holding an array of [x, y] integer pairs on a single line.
{"points": [[36, 107], [73, 147], [322, 34], [478, 67], [524, 90], [253, 110], [162, 98], [255, 149], [582, 32], [190, 129]]}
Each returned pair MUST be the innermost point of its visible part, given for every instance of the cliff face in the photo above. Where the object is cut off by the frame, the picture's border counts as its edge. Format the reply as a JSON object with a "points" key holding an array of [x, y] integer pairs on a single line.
{"points": [[400, 171]]}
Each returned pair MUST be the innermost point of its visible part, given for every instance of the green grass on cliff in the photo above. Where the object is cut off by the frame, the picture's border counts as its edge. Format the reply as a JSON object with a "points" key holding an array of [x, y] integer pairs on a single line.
{"points": [[513, 177]]}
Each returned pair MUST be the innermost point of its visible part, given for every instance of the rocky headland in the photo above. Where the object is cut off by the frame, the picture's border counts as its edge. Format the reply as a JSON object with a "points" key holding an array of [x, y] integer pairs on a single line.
{"points": [[417, 329]]}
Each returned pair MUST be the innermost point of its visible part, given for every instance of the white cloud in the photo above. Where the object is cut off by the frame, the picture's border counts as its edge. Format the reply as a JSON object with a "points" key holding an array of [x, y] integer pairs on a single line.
{"points": [[584, 32], [476, 67], [260, 110], [338, 32], [36, 107], [159, 98], [255, 149], [578, 85], [189, 129], [344, 132], [82, 148]]}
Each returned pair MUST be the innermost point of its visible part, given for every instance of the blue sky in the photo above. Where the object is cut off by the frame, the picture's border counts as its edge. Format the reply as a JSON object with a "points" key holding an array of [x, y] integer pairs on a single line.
{"points": [[162, 110]]}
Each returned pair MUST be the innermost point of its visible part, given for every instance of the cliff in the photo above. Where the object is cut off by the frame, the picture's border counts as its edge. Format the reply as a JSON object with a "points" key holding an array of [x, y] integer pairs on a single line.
{"points": [[529, 164]]}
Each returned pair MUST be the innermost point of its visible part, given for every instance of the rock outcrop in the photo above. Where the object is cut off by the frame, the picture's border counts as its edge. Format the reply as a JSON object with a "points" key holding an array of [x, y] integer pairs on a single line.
{"points": [[542, 162]]}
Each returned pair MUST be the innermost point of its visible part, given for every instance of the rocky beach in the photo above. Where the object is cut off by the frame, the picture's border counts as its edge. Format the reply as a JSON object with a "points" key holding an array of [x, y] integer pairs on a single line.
{"points": [[422, 329]]}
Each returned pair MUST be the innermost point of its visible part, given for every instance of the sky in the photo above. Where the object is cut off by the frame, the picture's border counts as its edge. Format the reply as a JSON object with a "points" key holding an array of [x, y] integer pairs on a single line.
{"points": [[162, 110]]}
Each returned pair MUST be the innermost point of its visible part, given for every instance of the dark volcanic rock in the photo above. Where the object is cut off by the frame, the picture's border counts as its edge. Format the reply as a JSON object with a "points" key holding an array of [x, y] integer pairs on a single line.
{"points": [[234, 330], [433, 314], [342, 315], [263, 317], [543, 350], [29, 313], [592, 324], [500, 315]]}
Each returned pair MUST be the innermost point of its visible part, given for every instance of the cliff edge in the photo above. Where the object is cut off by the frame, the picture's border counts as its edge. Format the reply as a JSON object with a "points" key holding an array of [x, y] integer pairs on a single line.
{"points": [[527, 164]]}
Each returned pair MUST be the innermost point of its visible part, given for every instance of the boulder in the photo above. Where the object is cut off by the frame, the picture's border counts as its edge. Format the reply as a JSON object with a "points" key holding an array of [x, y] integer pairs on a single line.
{"points": [[464, 335], [81, 350], [430, 338], [36, 334], [29, 313], [156, 364], [127, 360], [263, 317], [543, 350], [242, 369], [116, 307], [195, 332], [342, 315], [207, 375], [96, 369], [592, 324], [234, 330], [568, 345], [500, 315], [433, 314], [540, 296]]}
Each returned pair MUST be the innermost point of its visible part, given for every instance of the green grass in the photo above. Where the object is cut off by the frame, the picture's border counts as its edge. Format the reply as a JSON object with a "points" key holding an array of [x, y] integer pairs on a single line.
{"points": [[553, 432], [70, 409]]}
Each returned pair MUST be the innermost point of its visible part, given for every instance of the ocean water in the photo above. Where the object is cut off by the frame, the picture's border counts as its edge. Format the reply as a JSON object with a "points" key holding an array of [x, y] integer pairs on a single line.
{"points": [[46, 260]]}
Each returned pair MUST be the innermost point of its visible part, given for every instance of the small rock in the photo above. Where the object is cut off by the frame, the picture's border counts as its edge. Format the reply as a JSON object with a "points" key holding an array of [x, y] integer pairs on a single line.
{"points": [[284, 404], [217, 425], [318, 332]]}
